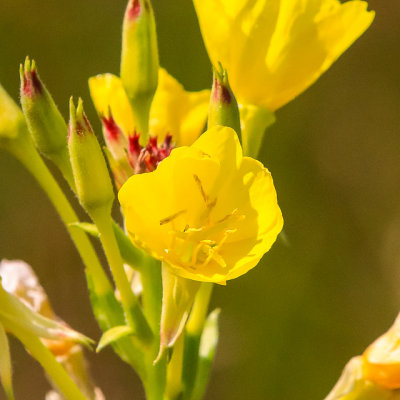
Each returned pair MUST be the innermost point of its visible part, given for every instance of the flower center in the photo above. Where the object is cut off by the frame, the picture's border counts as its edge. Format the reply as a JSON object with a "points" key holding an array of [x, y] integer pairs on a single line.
{"points": [[195, 248]]}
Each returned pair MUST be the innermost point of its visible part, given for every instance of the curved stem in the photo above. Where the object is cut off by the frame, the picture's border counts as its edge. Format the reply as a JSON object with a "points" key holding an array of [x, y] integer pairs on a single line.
{"points": [[105, 306], [29, 157]]}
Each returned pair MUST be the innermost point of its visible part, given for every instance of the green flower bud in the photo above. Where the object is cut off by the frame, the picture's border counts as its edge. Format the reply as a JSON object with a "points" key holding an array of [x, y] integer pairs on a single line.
{"points": [[92, 180], [223, 109], [12, 122], [139, 62], [45, 122]]}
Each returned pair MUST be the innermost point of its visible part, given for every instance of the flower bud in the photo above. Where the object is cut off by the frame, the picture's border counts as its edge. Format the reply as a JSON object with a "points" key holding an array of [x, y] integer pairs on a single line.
{"points": [[223, 109], [92, 180], [139, 62], [12, 122], [45, 122]]}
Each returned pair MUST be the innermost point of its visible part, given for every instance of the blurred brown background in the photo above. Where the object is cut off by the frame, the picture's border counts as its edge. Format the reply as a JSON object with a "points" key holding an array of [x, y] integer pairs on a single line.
{"points": [[290, 325]]}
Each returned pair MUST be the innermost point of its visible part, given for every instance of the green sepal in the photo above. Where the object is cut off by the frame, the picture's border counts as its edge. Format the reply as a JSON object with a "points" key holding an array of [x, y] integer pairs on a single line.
{"points": [[177, 301]]}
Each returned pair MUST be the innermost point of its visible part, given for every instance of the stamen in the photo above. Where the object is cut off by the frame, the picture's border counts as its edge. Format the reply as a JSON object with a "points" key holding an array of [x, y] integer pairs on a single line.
{"points": [[203, 193], [172, 217]]}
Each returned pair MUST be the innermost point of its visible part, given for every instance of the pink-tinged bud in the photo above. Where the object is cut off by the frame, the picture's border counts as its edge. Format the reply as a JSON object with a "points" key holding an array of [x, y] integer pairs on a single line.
{"points": [[116, 141], [45, 122], [92, 180], [30, 82], [223, 109], [139, 62], [133, 10]]}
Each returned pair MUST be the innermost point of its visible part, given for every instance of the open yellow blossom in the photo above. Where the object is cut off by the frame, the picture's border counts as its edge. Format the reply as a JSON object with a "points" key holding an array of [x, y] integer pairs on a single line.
{"points": [[275, 49], [206, 211], [174, 111]]}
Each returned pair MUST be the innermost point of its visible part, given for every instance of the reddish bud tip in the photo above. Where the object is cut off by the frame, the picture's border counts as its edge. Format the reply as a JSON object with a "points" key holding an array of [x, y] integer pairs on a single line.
{"points": [[111, 129], [134, 145], [221, 92], [30, 81], [133, 10]]}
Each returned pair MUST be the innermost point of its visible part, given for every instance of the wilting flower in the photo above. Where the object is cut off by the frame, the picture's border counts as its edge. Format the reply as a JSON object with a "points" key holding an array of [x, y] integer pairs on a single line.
{"points": [[177, 118], [19, 280], [274, 50], [206, 211]]}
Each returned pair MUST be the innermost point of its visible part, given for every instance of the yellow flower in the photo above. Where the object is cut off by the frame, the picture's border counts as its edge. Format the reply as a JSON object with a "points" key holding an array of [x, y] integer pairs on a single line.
{"points": [[206, 211], [174, 111], [381, 360], [273, 49]]}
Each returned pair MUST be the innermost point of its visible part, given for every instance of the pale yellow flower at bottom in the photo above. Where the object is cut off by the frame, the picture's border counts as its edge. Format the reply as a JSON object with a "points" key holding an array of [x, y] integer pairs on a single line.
{"points": [[206, 211], [381, 360]]}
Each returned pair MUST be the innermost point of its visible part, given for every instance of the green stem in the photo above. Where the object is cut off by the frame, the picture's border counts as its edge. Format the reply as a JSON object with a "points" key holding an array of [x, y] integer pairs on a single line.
{"points": [[104, 303], [193, 332], [133, 312], [49, 363], [29, 157]]}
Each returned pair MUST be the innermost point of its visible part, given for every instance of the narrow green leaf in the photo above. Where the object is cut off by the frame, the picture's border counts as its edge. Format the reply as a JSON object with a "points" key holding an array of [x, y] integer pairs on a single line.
{"points": [[87, 227], [112, 335], [130, 254], [5, 364]]}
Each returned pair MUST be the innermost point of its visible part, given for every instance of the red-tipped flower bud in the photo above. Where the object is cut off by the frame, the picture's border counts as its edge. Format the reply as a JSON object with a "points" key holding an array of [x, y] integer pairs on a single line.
{"points": [[45, 122], [92, 180], [223, 109], [139, 62]]}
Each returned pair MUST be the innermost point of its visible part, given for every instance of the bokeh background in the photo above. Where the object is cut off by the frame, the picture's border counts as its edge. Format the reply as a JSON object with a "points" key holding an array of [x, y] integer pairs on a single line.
{"points": [[289, 326]]}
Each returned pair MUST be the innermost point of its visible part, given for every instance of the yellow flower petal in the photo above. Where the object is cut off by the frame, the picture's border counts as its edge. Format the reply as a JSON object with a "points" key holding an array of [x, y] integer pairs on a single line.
{"points": [[206, 211], [108, 94], [177, 112], [174, 111], [273, 50]]}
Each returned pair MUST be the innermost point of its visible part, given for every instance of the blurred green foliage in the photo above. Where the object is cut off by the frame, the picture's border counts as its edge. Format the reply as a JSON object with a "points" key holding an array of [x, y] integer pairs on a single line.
{"points": [[289, 326]]}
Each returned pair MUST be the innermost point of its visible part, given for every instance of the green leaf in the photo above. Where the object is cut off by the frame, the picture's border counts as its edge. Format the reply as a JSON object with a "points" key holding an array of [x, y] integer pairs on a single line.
{"points": [[87, 227], [112, 335], [130, 254]]}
